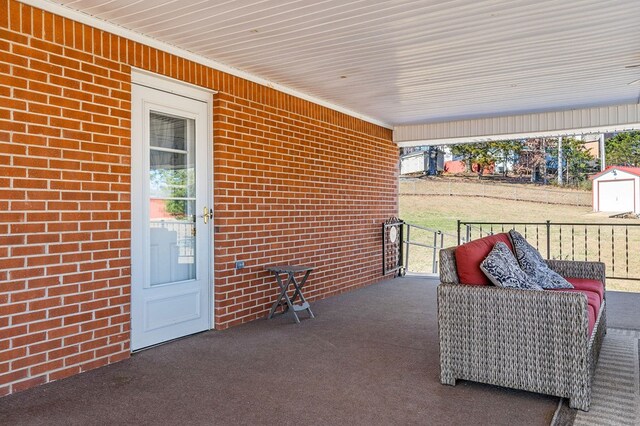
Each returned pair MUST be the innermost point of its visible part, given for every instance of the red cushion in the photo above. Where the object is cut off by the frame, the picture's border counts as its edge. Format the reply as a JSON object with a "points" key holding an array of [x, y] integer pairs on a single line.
{"points": [[592, 320], [593, 304], [470, 255], [587, 284], [593, 298]]}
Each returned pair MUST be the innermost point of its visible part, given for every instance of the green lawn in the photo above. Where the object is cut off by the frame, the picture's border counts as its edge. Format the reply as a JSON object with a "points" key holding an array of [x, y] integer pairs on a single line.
{"points": [[442, 212]]}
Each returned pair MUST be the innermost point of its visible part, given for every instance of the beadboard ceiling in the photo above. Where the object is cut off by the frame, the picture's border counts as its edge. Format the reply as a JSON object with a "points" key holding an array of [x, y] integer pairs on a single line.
{"points": [[408, 62]]}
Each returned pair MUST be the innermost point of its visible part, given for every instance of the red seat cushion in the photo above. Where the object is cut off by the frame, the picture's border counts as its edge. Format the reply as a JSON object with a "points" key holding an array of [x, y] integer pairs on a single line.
{"points": [[592, 320], [587, 284], [593, 303], [470, 255]]}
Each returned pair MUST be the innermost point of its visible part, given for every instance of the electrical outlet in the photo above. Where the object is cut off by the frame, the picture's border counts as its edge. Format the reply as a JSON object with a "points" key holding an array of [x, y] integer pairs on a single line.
{"points": [[239, 264]]}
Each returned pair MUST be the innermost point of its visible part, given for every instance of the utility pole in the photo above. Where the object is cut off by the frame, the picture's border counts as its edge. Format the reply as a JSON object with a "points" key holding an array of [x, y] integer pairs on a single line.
{"points": [[560, 161], [603, 162]]}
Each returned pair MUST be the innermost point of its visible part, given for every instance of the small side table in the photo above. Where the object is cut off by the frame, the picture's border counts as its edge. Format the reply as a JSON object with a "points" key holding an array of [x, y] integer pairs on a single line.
{"points": [[290, 270]]}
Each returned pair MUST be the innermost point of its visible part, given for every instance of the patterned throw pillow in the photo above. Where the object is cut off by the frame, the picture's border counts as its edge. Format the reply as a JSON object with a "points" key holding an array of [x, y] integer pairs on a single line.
{"points": [[534, 265], [502, 268]]}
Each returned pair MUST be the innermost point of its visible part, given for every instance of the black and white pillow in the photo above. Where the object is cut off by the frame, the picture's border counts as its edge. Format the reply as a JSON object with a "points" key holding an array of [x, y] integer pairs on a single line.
{"points": [[502, 268], [534, 265]]}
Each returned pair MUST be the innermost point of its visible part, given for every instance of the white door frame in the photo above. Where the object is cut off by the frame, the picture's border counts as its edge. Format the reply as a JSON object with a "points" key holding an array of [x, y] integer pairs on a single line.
{"points": [[176, 87]]}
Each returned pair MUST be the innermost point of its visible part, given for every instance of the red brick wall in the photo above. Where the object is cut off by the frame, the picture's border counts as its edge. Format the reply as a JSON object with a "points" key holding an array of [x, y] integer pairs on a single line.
{"points": [[293, 182], [294, 189]]}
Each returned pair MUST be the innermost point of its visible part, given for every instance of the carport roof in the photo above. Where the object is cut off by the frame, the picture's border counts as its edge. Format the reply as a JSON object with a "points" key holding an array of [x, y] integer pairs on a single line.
{"points": [[400, 62]]}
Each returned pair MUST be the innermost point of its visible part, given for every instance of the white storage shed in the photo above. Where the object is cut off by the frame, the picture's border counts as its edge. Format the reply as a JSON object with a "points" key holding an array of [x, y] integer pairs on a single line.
{"points": [[617, 190]]}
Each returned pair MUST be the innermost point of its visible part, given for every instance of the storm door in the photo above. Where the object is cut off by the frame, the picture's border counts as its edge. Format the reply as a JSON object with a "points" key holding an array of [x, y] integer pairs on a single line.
{"points": [[171, 216]]}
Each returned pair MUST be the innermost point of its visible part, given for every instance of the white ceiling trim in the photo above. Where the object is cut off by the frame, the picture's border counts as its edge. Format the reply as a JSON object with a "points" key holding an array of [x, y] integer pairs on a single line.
{"points": [[615, 118], [140, 38]]}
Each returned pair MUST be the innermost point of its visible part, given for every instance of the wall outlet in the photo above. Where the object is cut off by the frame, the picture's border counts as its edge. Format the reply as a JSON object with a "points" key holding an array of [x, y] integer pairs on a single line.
{"points": [[239, 264]]}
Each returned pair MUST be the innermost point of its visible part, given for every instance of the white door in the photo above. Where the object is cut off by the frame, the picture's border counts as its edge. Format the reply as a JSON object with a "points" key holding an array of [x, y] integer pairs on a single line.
{"points": [[616, 196], [170, 238]]}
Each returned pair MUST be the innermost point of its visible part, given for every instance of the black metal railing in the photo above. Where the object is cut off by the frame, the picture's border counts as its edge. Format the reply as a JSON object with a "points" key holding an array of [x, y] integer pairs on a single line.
{"points": [[617, 245], [392, 247]]}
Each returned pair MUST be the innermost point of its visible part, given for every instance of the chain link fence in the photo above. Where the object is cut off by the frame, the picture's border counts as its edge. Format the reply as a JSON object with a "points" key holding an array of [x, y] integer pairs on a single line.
{"points": [[480, 188]]}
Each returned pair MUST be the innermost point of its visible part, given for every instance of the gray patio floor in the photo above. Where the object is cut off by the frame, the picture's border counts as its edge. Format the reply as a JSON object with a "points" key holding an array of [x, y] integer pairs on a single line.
{"points": [[369, 357]]}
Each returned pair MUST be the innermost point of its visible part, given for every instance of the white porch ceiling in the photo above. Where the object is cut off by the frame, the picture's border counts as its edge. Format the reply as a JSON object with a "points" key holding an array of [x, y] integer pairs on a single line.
{"points": [[410, 62]]}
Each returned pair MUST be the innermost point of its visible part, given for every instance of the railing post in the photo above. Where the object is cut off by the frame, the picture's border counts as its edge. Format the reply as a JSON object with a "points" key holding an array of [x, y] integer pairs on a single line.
{"points": [[441, 247], [435, 245], [406, 254], [458, 231], [469, 233], [548, 239]]}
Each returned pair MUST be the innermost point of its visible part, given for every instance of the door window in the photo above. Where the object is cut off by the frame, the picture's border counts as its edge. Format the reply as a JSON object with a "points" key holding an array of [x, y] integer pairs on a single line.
{"points": [[172, 201]]}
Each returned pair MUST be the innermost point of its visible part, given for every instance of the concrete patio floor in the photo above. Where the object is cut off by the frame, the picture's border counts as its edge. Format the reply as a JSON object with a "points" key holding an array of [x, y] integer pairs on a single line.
{"points": [[369, 357]]}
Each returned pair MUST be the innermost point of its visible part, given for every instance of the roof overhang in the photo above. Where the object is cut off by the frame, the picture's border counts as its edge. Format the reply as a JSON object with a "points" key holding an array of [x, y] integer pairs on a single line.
{"points": [[574, 122], [629, 172], [139, 37], [439, 71]]}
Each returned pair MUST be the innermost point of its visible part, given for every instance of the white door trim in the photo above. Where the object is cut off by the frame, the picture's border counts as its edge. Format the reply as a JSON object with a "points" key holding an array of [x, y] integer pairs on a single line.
{"points": [[171, 85], [161, 83]]}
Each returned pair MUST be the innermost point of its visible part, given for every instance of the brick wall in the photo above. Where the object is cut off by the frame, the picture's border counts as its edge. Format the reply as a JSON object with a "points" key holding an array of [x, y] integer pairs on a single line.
{"points": [[293, 182], [294, 189]]}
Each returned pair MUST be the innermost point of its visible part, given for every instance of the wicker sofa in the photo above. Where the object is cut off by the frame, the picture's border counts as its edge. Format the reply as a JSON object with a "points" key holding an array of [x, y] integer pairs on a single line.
{"points": [[537, 341]]}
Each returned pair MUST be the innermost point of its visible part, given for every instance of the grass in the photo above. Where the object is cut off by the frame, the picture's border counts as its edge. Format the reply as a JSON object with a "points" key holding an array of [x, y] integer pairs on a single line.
{"points": [[499, 189], [441, 212]]}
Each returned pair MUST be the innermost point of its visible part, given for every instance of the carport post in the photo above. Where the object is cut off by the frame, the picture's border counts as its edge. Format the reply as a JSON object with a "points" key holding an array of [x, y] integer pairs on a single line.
{"points": [[603, 162], [560, 161]]}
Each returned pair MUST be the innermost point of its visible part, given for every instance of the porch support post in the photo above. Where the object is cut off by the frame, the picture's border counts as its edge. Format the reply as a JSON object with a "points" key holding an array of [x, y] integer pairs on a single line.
{"points": [[603, 162], [560, 161]]}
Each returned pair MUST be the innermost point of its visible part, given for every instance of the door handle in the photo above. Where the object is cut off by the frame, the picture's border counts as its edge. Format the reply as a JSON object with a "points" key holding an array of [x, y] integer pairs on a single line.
{"points": [[207, 214]]}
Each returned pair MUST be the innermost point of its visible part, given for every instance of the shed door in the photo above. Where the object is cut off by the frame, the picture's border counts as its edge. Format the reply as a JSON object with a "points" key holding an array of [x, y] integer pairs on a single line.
{"points": [[616, 196]]}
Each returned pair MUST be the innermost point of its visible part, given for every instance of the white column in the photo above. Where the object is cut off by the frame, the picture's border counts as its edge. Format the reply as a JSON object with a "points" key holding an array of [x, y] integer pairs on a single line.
{"points": [[603, 162], [560, 161]]}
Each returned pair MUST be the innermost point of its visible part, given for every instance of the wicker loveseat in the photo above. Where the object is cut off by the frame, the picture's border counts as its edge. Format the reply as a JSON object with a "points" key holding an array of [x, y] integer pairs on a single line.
{"points": [[539, 341]]}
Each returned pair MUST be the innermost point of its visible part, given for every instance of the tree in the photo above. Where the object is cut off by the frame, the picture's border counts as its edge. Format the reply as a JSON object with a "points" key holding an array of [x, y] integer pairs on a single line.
{"points": [[532, 158], [510, 151], [485, 154], [466, 151], [473, 153], [576, 160], [173, 186], [623, 149]]}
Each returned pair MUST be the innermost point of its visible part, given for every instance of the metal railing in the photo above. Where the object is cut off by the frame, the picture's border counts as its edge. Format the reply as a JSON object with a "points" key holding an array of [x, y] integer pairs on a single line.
{"points": [[392, 236], [422, 248], [617, 245]]}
